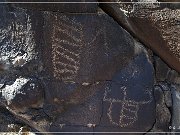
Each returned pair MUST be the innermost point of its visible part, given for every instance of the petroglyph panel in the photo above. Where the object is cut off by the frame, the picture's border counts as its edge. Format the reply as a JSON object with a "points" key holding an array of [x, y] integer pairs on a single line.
{"points": [[127, 95], [75, 46], [79, 48]]}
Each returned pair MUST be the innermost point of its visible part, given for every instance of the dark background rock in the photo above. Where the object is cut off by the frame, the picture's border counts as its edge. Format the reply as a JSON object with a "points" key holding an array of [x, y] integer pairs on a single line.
{"points": [[163, 116], [9, 123], [60, 7], [162, 70], [145, 19]]}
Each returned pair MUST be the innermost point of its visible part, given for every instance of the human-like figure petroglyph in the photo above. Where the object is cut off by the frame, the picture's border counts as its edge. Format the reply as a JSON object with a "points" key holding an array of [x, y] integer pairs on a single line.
{"points": [[129, 108]]}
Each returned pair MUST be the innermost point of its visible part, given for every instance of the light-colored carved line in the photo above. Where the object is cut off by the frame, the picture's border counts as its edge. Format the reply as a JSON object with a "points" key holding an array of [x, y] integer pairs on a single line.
{"points": [[56, 67], [62, 54], [67, 65], [125, 104], [95, 37], [61, 71], [67, 42], [69, 77], [72, 22], [129, 103], [128, 117], [4, 33], [122, 116], [58, 71], [129, 110], [68, 51], [109, 114], [67, 33], [79, 31]]}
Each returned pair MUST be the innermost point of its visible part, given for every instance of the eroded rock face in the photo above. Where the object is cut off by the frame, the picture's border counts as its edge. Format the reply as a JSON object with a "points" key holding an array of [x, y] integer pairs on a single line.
{"points": [[75, 72], [154, 24]]}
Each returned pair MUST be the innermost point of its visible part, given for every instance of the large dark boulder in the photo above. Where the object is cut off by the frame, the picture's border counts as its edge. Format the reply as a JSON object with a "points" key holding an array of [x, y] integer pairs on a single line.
{"points": [[76, 73], [154, 24]]}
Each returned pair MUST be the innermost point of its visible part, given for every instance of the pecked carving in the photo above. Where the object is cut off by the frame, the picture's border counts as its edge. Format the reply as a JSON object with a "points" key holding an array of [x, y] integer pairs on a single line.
{"points": [[144, 17], [66, 52]]}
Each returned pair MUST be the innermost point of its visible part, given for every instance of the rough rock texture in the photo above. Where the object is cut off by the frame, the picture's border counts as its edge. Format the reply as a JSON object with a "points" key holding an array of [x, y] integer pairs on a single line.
{"points": [[163, 115], [9, 123], [154, 24], [79, 73]]}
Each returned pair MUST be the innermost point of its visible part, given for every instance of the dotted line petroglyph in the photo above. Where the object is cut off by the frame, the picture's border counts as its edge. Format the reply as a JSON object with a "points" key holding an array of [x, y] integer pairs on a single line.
{"points": [[129, 108], [66, 49]]}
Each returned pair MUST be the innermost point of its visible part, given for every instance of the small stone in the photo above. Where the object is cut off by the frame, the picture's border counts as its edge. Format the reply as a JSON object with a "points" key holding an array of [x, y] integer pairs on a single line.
{"points": [[56, 100], [62, 125], [85, 84], [97, 82], [89, 125], [19, 61]]}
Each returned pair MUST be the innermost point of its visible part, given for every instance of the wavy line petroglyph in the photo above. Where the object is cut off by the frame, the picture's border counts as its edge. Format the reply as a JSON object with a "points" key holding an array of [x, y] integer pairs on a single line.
{"points": [[129, 108]]}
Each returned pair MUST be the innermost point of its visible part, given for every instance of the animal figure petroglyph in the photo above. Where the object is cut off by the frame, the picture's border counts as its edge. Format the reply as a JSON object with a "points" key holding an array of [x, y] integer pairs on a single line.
{"points": [[129, 108]]}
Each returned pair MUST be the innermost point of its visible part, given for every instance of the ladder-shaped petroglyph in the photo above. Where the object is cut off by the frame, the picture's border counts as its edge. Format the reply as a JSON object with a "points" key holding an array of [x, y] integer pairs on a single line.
{"points": [[67, 45], [128, 114], [66, 48]]}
